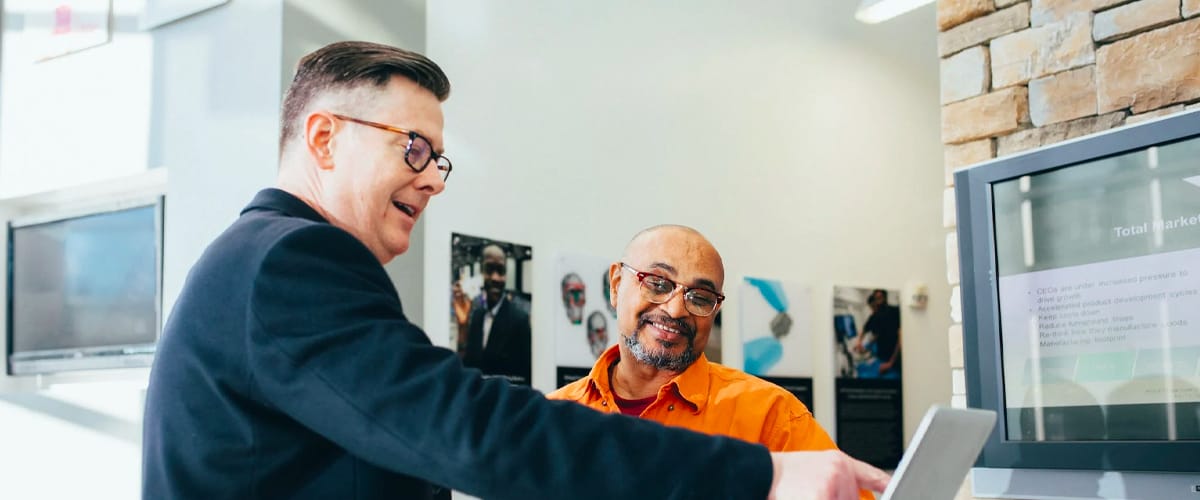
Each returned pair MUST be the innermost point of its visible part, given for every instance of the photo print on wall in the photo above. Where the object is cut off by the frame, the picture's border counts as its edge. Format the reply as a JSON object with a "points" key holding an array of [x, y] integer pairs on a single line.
{"points": [[868, 397], [775, 320], [489, 305], [584, 320], [873, 352]]}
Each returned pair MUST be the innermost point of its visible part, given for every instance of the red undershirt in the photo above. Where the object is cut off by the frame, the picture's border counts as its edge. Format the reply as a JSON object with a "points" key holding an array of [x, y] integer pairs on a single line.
{"points": [[633, 407]]}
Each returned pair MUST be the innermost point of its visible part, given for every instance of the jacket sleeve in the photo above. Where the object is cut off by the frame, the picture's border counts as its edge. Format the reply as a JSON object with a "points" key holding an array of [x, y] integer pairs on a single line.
{"points": [[524, 358], [331, 348]]}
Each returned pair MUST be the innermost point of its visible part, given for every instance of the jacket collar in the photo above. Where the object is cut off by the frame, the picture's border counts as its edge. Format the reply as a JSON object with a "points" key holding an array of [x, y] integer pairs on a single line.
{"points": [[282, 201]]}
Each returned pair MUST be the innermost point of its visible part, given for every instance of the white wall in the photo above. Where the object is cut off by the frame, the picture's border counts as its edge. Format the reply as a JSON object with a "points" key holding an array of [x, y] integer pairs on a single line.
{"points": [[74, 119], [805, 145], [198, 97], [216, 95]]}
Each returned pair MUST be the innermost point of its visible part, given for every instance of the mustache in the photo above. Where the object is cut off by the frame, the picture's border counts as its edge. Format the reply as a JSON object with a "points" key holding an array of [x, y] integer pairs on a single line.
{"points": [[684, 328]]}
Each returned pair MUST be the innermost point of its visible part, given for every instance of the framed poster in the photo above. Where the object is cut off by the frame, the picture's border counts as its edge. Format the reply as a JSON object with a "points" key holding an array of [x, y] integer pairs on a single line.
{"points": [[775, 325], [867, 363], [776, 334], [490, 303], [66, 26], [585, 319]]}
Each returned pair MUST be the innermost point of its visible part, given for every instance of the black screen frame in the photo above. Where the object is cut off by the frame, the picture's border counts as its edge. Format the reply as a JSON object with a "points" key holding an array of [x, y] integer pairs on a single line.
{"points": [[980, 306]]}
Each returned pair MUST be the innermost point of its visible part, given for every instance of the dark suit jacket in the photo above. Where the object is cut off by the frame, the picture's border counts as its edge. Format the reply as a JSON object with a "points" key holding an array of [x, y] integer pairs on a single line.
{"points": [[508, 348], [287, 369]]}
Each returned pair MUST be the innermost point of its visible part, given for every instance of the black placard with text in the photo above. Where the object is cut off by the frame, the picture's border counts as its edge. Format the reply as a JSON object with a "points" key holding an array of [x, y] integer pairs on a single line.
{"points": [[870, 420], [568, 374]]}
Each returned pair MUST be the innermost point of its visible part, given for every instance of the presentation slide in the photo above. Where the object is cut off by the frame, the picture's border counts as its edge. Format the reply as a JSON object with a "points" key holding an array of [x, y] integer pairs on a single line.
{"points": [[1126, 331]]}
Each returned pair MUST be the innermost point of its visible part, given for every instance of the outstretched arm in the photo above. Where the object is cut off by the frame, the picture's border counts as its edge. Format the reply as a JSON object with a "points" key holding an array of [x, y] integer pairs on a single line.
{"points": [[332, 349]]}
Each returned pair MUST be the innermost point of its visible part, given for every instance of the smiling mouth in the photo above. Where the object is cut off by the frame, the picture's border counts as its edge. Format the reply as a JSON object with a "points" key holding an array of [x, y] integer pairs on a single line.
{"points": [[666, 328], [407, 209], [674, 331]]}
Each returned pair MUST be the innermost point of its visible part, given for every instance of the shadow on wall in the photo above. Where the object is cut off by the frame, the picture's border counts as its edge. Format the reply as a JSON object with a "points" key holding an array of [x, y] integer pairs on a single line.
{"points": [[127, 431]]}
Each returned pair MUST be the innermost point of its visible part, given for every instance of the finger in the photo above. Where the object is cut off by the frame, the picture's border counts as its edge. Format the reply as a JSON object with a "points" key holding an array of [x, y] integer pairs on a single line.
{"points": [[847, 476], [869, 477], [846, 490]]}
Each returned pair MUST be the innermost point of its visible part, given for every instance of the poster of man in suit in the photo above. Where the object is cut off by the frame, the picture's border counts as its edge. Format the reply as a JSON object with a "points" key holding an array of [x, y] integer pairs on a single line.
{"points": [[491, 282]]}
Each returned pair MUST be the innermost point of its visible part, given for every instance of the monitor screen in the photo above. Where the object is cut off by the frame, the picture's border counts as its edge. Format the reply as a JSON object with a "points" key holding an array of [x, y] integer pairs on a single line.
{"points": [[1099, 283], [84, 287], [1080, 285]]}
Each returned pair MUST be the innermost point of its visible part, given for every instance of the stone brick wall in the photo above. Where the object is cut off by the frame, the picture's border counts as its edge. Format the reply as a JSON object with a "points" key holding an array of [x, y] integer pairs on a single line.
{"points": [[1021, 74]]}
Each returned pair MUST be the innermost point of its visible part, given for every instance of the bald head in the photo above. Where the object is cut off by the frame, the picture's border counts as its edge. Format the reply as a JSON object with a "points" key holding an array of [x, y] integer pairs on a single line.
{"points": [[657, 246], [665, 333]]}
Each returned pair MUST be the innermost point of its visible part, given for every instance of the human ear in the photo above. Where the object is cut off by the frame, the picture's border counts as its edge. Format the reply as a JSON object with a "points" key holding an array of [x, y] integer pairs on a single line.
{"points": [[614, 282], [319, 129]]}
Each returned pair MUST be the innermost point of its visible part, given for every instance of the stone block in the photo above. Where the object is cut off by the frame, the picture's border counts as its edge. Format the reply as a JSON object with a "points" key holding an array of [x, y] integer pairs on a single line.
{"points": [[956, 304], [983, 29], [1158, 113], [951, 13], [1037, 137], [952, 269], [1045, 50], [1063, 96], [969, 153], [1150, 70], [949, 212], [965, 74], [1044, 12], [958, 401], [988, 115], [955, 339], [1134, 18]]}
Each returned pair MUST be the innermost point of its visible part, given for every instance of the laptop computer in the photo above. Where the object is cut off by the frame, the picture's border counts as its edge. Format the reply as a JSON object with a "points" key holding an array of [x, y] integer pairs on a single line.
{"points": [[941, 453]]}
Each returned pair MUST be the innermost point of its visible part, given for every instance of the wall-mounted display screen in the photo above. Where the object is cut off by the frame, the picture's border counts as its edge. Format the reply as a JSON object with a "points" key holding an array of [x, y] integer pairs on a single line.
{"points": [[83, 291]]}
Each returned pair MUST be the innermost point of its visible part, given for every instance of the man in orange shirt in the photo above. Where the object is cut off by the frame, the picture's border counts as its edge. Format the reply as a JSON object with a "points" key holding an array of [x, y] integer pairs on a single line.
{"points": [[666, 289]]}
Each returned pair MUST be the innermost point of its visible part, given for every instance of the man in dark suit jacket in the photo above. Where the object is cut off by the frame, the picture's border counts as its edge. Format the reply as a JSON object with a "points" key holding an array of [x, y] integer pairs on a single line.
{"points": [[498, 331], [288, 368]]}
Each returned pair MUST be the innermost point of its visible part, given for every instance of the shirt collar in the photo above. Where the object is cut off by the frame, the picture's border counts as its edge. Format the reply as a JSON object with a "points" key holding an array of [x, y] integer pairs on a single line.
{"points": [[495, 310], [692, 385]]}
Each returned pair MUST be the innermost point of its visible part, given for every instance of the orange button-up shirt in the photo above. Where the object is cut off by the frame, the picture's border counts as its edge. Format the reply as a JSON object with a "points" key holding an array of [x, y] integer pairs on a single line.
{"points": [[714, 399]]}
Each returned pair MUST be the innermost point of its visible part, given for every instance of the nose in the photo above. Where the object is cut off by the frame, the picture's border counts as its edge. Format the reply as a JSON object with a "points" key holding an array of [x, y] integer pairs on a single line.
{"points": [[430, 180], [674, 306]]}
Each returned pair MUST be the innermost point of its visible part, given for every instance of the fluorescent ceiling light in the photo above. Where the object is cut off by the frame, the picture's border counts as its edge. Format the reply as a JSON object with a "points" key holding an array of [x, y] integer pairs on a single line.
{"points": [[876, 11]]}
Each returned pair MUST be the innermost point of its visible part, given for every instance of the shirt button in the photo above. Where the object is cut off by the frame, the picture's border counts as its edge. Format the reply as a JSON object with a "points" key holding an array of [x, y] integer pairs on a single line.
{"points": [[670, 407], [604, 403]]}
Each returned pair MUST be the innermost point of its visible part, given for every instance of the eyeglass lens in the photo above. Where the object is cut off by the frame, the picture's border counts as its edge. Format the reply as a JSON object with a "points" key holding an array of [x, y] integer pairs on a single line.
{"points": [[419, 152], [697, 301]]}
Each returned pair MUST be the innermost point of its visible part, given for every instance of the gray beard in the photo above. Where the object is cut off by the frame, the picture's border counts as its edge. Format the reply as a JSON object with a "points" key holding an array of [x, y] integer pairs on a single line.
{"points": [[660, 358]]}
